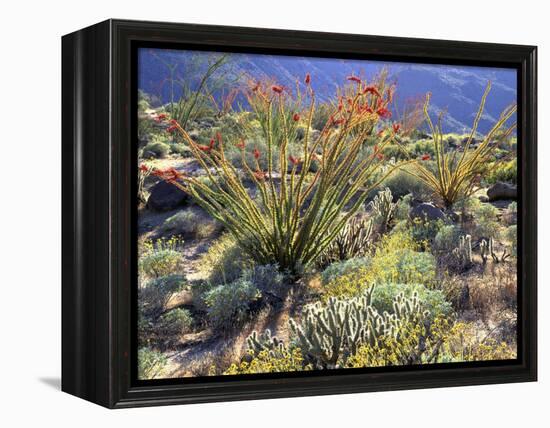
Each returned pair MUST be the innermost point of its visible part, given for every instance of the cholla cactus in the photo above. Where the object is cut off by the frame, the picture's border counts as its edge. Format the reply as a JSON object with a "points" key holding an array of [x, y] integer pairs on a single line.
{"points": [[353, 240], [329, 334], [487, 249], [463, 253], [265, 342], [383, 208]]}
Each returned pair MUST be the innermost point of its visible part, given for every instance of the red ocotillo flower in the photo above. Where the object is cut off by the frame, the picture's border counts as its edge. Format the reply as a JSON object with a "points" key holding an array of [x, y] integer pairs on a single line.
{"points": [[172, 128], [339, 121], [379, 156], [354, 79], [240, 144], [172, 174], [260, 175], [174, 122], [396, 127], [294, 161], [307, 80], [426, 157], [255, 87], [371, 90], [158, 172], [160, 117], [383, 112], [296, 117], [256, 153], [143, 168], [278, 89], [381, 132]]}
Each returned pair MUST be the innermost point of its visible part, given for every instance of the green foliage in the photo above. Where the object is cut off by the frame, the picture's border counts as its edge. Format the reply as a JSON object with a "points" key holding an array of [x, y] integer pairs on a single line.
{"points": [[150, 363], [175, 322], [300, 213], [228, 304], [395, 260], [512, 236], [433, 301], [156, 149], [403, 207], [486, 223], [267, 279], [155, 294], [510, 215], [160, 258], [446, 239], [329, 334], [190, 224], [224, 261], [503, 171], [456, 174], [337, 269], [402, 183]]}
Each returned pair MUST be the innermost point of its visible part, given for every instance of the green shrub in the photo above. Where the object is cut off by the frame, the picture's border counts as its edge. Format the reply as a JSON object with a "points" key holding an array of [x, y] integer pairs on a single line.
{"points": [[403, 207], [224, 261], [512, 236], [266, 362], [156, 149], [504, 171], [267, 279], [160, 258], [156, 293], [190, 224], [485, 221], [344, 267], [150, 363], [174, 323], [228, 304], [510, 215], [432, 301], [396, 259], [446, 238], [402, 183]]}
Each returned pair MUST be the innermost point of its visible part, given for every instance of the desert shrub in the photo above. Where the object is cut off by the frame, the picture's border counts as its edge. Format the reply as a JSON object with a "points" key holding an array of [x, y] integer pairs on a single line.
{"points": [[401, 183], [485, 221], [337, 269], [395, 260], [503, 171], [228, 304], [463, 342], [159, 258], [175, 322], [224, 261], [267, 279], [446, 238], [394, 151], [156, 149], [150, 363], [510, 215], [512, 236], [267, 362], [403, 207], [155, 294], [424, 231], [423, 147], [190, 224], [432, 301], [321, 116]]}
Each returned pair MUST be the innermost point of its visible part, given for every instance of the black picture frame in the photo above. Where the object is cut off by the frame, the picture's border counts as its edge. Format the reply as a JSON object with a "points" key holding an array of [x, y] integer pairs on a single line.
{"points": [[99, 214]]}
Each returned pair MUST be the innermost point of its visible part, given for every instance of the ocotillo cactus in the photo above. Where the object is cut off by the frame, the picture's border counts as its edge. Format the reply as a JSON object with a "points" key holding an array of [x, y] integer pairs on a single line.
{"points": [[329, 334]]}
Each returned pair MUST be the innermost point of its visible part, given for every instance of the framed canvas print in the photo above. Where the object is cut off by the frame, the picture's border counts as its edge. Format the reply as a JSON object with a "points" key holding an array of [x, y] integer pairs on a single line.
{"points": [[253, 213]]}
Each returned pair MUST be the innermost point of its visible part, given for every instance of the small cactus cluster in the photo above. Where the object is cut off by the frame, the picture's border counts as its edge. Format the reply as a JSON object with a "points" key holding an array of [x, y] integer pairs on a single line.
{"points": [[463, 253], [329, 334], [257, 343], [383, 208], [354, 240], [487, 249]]}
